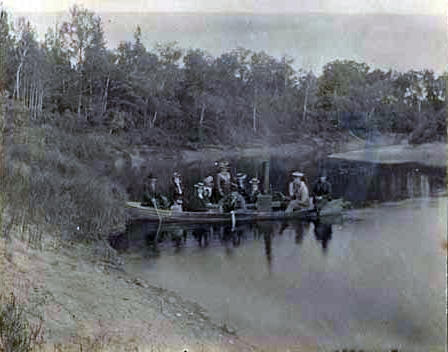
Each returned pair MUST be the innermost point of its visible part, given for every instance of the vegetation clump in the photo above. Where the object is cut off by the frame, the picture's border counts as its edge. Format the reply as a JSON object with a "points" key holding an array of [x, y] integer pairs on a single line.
{"points": [[17, 334]]}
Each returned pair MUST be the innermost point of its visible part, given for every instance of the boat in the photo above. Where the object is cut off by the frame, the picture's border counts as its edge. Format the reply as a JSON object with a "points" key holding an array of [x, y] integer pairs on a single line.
{"points": [[137, 212]]}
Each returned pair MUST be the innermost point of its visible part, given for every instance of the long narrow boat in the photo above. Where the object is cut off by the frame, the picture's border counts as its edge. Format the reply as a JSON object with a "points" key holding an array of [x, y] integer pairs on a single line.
{"points": [[138, 212]]}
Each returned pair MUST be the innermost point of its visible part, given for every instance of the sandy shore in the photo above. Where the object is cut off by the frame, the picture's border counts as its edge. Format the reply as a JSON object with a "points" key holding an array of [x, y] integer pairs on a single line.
{"points": [[430, 154], [87, 301]]}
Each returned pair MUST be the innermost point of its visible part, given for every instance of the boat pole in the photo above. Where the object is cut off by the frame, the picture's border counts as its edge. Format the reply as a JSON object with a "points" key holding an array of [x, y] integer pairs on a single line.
{"points": [[160, 217], [266, 177], [232, 213]]}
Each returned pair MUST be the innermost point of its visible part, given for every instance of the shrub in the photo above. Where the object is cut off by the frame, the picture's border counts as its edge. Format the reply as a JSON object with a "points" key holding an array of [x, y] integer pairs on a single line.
{"points": [[49, 177], [17, 334]]}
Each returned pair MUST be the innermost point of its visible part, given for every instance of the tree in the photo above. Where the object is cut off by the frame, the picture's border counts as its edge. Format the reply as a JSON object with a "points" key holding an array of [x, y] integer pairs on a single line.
{"points": [[339, 79], [5, 48], [82, 37]]}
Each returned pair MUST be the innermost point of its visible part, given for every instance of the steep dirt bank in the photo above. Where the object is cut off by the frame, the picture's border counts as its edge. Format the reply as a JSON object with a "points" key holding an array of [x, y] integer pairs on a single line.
{"points": [[89, 301]]}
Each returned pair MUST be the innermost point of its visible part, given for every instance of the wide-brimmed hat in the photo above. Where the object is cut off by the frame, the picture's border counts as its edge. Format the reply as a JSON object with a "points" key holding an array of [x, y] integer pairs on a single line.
{"points": [[241, 175], [208, 179], [151, 177], [199, 184], [297, 174], [254, 181]]}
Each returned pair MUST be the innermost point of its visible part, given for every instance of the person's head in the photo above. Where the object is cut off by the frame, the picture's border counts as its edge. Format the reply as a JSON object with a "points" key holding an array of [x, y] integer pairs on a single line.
{"points": [[323, 178], [223, 166], [152, 180], [297, 176], [176, 176], [254, 182], [241, 177], [199, 188]]}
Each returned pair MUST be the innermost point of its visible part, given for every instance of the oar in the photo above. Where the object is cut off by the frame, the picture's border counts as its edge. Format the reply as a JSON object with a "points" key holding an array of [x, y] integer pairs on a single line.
{"points": [[157, 210], [232, 213], [160, 218]]}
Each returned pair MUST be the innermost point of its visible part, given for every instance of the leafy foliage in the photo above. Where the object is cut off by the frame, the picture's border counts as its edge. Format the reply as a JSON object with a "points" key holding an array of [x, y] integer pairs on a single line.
{"points": [[167, 91]]}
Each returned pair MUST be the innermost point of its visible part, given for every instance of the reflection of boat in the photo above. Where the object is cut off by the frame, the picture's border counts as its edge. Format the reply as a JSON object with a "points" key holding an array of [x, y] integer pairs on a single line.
{"points": [[139, 212]]}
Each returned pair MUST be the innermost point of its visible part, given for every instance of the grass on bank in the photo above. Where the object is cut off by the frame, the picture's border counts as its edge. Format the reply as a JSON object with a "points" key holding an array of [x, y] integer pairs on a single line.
{"points": [[50, 176]]}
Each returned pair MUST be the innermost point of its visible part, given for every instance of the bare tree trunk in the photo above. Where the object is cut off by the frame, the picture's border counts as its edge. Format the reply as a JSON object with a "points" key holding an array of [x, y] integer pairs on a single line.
{"points": [[201, 119], [154, 119], [145, 115], [305, 102], [18, 80], [80, 96], [254, 118], [106, 93]]}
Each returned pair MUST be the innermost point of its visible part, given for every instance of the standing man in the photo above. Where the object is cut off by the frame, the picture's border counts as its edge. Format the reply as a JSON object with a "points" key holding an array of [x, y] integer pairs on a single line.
{"points": [[298, 193], [177, 191], [223, 179]]}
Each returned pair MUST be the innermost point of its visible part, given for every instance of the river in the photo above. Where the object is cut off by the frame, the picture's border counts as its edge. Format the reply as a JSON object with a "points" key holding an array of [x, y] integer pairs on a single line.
{"points": [[376, 279]]}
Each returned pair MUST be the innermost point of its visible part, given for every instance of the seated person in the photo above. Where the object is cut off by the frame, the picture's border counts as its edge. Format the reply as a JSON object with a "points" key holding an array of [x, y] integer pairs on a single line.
{"points": [[241, 185], [177, 206], [298, 193], [254, 190], [152, 198], [321, 192]]}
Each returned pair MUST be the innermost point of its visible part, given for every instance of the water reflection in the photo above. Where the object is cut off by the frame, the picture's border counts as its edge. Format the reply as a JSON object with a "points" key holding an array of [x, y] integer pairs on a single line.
{"points": [[322, 233], [154, 237]]}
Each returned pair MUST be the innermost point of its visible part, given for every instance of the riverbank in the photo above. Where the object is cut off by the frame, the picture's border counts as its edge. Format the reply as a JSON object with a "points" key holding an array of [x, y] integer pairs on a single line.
{"points": [[86, 299], [91, 302], [430, 154]]}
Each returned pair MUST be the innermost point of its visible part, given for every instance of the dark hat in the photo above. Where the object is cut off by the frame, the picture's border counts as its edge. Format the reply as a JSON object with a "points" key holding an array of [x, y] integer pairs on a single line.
{"points": [[152, 177]]}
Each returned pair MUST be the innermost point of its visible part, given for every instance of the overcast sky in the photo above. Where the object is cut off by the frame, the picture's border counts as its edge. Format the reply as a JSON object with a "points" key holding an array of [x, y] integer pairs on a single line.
{"points": [[434, 7]]}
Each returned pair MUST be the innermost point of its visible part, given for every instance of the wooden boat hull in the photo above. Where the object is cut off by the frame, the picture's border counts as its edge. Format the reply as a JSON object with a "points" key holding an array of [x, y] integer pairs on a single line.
{"points": [[141, 213]]}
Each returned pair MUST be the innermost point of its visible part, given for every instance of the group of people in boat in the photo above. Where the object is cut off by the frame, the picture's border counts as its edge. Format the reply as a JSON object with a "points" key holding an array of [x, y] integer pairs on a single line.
{"points": [[228, 193]]}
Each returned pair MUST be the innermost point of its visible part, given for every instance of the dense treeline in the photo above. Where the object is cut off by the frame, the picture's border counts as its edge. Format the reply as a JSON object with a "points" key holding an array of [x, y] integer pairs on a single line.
{"points": [[67, 104], [164, 92]]}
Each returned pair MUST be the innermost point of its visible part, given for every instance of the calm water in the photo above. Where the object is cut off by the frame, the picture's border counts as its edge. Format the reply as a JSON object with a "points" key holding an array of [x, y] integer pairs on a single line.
{"points": [[376, 279]]}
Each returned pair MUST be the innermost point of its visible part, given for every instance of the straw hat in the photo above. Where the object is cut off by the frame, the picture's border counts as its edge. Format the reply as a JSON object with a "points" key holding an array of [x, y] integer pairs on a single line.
{"points": [[254, 181], [297, 174], [199, 184], [241, 175]]}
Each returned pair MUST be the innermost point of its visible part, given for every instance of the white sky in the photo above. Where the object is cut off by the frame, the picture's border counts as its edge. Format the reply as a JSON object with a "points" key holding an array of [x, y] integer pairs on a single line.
{"points": [[434, 7]]}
